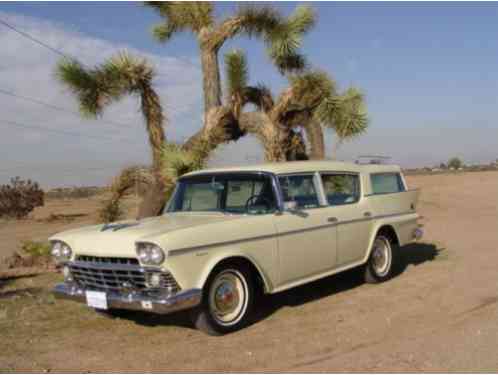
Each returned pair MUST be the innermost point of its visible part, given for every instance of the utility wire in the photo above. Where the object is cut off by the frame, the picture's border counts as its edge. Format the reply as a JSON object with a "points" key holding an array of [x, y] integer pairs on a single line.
{"points": [[60, 172], [62, 132], [33, 39], [57, 108], [63, 54]]}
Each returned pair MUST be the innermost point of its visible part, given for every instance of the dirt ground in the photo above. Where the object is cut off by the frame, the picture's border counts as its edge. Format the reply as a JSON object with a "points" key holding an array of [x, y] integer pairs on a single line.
{"points": [[439, 314]]}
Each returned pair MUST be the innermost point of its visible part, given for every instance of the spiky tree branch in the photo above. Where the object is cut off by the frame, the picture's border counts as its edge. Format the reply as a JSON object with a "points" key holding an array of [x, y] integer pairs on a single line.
{"points": [[121, 75]]}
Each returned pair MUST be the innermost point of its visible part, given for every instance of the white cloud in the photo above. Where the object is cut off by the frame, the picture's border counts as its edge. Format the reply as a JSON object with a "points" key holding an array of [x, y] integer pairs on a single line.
{"points": [[27, 69]]}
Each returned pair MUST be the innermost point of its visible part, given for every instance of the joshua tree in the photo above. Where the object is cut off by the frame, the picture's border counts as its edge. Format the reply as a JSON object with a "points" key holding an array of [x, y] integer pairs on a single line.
{"points": [[303, 106], [311, 100], [98, 87], [197, 17]]}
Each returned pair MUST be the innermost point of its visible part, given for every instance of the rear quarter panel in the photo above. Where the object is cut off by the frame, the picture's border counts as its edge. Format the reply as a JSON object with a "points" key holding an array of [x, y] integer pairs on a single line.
{"points": [[397, 210]]}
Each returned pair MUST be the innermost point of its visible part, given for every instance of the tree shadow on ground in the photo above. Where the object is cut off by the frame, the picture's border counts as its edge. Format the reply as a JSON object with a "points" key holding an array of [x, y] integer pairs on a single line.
{"points": [[413, 254]]}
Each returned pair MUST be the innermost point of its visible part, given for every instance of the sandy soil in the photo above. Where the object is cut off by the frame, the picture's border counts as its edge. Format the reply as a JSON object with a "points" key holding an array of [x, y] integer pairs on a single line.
{"points": [[439, 314]]}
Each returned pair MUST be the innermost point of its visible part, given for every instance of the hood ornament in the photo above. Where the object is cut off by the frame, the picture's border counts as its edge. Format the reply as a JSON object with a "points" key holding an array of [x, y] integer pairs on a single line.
{"points": [[115, 227]]}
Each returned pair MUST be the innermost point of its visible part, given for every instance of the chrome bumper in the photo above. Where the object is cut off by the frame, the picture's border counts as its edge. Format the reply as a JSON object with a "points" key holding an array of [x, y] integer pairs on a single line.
{"points": [[160, 304]]}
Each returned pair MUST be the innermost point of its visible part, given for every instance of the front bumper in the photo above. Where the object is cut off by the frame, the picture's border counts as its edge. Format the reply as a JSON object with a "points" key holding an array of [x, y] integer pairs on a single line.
{"points": [[160, 304]]}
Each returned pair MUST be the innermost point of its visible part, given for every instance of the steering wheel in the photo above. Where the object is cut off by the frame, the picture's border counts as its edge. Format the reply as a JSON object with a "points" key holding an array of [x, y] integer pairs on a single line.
{"points": [[249, 200]]}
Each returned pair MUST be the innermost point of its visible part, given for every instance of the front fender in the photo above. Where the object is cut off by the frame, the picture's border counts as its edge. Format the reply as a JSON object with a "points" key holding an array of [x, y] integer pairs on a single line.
{"points": [[226, 255]]}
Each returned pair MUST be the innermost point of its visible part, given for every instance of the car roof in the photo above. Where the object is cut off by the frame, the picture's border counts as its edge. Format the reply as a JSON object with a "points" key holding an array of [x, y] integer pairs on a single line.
{"points": [[302, 166]]}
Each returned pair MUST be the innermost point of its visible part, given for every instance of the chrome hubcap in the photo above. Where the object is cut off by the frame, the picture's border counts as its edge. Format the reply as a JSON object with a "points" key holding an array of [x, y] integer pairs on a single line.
{"points": [[381, 256], [228, 297]]}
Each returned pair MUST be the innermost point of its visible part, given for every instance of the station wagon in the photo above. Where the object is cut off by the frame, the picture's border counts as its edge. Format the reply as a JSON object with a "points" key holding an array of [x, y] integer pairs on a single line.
{"points": [[227, 234]]}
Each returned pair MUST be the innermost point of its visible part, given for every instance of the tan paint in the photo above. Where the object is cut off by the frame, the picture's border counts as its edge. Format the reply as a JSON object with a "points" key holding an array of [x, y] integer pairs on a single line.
{"points": [[288, 249]]}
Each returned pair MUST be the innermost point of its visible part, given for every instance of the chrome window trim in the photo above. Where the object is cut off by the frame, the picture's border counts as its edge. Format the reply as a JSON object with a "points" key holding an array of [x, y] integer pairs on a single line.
{"points": [[356, 174], [398, 174], [273, 178], [317, 188], [396, 192]]}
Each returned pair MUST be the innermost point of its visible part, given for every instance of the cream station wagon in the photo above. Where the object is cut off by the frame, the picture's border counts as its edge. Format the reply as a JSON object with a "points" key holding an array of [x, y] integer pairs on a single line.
{"points": [[228, 233]]}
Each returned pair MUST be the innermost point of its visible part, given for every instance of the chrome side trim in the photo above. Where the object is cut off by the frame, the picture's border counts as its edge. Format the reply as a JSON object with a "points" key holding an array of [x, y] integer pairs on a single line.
{"points": [[396, 192], [185, 250], [160, 304]]}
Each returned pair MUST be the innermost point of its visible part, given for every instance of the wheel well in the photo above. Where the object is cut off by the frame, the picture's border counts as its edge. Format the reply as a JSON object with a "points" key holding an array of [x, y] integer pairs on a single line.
{"points": [[390, 233], [259, 283]]}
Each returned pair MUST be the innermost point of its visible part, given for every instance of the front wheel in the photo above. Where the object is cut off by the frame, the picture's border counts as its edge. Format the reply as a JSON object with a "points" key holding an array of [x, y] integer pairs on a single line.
{"points": [[381, 263], [227, 301]]}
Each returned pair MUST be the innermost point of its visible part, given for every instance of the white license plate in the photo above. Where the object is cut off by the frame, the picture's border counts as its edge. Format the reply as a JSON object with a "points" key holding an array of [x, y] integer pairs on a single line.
{"points": [[97, 300]]}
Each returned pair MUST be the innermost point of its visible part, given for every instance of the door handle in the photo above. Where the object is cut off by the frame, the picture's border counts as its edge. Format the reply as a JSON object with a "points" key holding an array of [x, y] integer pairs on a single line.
{"points": [[367, 214], [332, 220]]}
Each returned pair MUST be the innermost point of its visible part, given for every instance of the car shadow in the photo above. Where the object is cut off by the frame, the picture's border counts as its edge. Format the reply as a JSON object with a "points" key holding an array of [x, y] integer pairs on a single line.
{"points": [[413, 254], [177, 319]]}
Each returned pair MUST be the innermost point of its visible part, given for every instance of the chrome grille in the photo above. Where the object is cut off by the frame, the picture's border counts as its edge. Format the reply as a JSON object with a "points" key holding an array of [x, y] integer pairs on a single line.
{"points": [[116, 274], [94, 259]]}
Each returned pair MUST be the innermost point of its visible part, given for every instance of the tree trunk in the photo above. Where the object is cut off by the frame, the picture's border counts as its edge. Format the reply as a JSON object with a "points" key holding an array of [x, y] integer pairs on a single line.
{"points": [[155, 199], [337, 143], [153, 202], [210, 78], [314, 136], [274, 138]]}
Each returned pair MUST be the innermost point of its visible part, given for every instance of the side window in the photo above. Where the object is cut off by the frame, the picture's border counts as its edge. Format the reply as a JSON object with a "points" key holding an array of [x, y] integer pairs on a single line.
{"points": [[200, 197], [299, 189], [384, 183], [341, 188], [239, 191]]}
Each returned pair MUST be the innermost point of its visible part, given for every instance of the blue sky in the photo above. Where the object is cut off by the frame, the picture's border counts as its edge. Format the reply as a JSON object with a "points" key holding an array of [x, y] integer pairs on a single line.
{"points": [[429, 71]]}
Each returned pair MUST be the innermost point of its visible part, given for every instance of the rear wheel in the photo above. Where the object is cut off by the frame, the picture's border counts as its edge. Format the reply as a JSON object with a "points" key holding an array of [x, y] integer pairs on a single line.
{"points": [[382, 260], [227, 302]]}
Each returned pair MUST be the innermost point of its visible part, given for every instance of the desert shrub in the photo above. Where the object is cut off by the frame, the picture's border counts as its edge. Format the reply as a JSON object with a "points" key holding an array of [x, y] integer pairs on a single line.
{"points": [[19, 198], [36, 249], [455, 163]]}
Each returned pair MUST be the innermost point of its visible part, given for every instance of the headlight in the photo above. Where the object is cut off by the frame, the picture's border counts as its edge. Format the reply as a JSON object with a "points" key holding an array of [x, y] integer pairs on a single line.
{"points": [[149, 254], [61, 251]]}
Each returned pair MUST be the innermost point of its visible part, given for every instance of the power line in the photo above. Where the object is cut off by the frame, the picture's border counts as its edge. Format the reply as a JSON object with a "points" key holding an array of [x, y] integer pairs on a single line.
{"points": [[65, 55], [64, 173], [33, 39], [63, 132], [57, 108]]}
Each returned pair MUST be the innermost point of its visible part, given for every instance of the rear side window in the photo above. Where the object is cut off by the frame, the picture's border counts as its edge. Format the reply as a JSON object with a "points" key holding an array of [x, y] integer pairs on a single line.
{"points": [[385, 183], [299, 189], [341, 188]]}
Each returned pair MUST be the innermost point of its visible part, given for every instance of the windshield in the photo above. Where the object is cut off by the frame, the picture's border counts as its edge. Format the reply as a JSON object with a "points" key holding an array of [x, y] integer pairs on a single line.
{"points": [[231, 193]]}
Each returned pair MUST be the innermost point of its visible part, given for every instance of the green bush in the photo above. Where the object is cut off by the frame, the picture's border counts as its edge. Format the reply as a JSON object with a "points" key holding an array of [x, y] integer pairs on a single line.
{"points": [[36, 249], [19, 198]]}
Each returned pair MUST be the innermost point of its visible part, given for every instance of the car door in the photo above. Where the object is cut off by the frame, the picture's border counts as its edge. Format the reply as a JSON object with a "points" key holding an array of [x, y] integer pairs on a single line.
{"points": [[351, 212], [306, 240]]}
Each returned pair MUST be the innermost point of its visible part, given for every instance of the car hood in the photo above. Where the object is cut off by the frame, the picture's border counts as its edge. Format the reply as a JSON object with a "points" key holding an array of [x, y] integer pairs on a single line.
{"points": [[118, 239]]}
